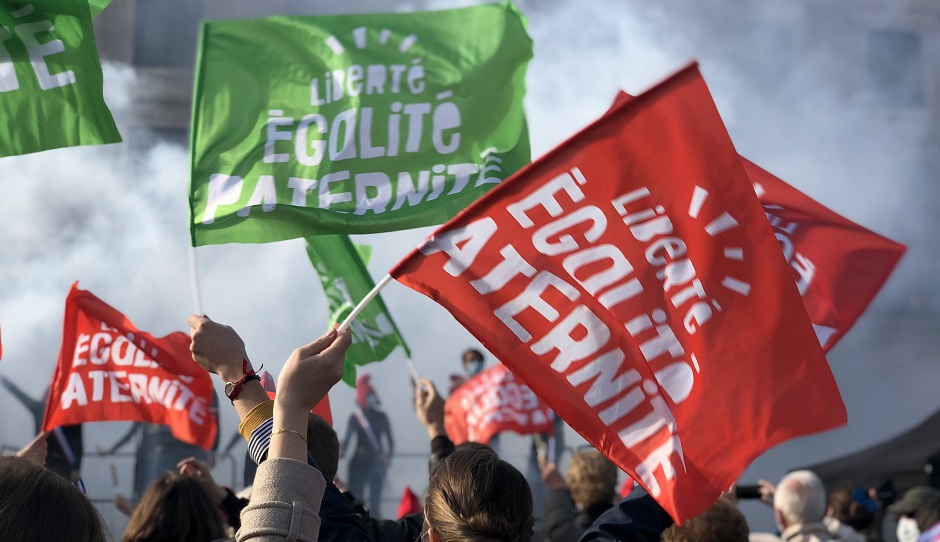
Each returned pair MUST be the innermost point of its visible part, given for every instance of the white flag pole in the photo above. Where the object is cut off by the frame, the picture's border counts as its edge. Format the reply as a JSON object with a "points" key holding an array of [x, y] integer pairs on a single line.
{"points": [[194, 280], [414, 371], [362, 304]]}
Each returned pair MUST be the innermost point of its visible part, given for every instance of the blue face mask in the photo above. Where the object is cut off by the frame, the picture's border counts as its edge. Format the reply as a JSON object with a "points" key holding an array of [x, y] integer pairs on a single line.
{"points": [[473, 367]]}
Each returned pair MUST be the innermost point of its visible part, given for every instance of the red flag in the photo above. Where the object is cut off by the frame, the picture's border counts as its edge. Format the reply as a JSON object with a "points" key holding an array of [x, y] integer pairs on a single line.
{"points": [[491, 402], [410, 504], [839, 265], [109, 370], [1, 348], [322, 409], [631, 279]]}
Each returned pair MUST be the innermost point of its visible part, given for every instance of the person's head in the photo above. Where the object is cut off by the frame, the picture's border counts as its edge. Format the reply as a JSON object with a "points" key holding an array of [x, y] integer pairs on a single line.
{"points": [[723, 522], [852, 507], [591, 478], [475, 496], [800, 498], [174, 508], [906, 510], [38, 504], [472, 362], [323, 445], [928, 514], [365, 393]]}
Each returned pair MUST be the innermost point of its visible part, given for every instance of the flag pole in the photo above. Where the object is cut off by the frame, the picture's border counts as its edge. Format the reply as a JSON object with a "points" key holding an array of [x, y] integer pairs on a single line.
{"points": [[362, 304], [194, 280], [414, 371]]}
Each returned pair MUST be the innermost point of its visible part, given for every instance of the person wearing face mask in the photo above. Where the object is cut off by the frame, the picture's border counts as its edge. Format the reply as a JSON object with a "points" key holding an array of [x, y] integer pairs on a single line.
{"points": [[906, 508], [472, 362], [374, 446]]}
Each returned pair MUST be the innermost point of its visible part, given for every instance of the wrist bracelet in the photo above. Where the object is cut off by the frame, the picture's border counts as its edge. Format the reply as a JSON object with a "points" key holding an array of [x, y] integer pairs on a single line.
{"points": [[291, 431]]}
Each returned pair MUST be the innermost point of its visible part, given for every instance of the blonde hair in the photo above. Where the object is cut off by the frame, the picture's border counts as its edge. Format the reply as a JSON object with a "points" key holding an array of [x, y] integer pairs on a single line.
{"points": [[591, 478], [474, 496]]}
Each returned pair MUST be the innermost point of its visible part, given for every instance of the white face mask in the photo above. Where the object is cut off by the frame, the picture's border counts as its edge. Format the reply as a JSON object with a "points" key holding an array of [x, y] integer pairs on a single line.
{"points": [[907, 530]]}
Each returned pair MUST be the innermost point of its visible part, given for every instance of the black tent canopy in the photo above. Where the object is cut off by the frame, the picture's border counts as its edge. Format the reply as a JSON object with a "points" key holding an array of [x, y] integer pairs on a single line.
{"points": [[909, 459]]}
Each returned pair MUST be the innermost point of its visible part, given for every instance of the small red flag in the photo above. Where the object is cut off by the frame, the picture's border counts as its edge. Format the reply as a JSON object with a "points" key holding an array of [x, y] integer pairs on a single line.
{"points": [[839, 266], [410, 504], [631, 279], [492, 402], [109, 370]]}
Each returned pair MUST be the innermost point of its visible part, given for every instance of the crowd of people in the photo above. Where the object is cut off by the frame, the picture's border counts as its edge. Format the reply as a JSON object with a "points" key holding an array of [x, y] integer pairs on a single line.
{"points": [[472, 495]]}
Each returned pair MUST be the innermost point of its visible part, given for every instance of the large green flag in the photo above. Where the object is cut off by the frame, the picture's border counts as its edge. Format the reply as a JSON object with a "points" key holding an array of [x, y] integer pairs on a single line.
{"points": [[342, 269], [353, 124], [50, 78]]}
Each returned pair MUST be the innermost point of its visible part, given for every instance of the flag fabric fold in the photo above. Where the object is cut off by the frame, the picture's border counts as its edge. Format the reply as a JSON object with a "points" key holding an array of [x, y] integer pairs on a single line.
{"points": [[839, 266], [108, 370], [353, 123], [630, 278], [51, 95], [346, 280]]}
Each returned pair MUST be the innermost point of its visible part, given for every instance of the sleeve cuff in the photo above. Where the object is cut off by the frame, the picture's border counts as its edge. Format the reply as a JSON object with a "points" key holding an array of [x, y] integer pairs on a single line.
{"points": [[260, 441], [255, 418]]}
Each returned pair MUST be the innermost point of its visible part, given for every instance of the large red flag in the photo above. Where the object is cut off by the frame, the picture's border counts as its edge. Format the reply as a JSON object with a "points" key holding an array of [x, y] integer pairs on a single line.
{"points": [[631, 279], [839, 265], [110, 370], [492, 402]]}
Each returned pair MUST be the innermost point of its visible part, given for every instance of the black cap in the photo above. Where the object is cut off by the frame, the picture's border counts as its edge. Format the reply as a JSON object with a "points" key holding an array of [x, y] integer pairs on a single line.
{"points": [[913, 499]]}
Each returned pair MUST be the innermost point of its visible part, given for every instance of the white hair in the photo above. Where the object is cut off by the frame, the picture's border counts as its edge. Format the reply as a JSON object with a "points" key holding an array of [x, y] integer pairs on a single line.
{"points": [[801, 497]]}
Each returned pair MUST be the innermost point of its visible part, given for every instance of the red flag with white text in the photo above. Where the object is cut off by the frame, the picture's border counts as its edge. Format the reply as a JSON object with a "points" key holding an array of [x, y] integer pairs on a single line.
{"points": [[631, 279], [109, 370], [839, 266], [491, 402]]}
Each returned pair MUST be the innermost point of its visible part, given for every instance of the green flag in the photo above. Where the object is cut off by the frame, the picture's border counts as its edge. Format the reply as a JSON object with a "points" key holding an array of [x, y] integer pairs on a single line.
{"points": [[52, 97], [346, 281], [97, 6], [353, 124]]}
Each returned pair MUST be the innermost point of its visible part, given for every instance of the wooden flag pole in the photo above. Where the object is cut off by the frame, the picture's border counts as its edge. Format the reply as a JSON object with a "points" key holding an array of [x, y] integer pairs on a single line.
{"points": [[362, 304]]}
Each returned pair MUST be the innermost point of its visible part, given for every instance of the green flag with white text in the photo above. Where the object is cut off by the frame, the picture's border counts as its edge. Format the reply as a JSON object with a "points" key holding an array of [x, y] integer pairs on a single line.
{"points": [[354, 124], [51, 92], [346, 281]]}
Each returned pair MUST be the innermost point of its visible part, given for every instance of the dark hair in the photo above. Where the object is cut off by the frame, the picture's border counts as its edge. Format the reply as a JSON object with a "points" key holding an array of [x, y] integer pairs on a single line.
{"points": [[848, 510], [29, 491], [474, 351], [174, 508], [928, 514], [723, 522], [323, 445], [475, 496]]}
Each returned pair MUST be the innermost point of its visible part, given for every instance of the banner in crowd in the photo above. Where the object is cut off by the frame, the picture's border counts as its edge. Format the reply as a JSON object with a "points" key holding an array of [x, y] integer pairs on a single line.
{"points": [[631, 279], [839, 266], [354, 123], [51, 92], [341, 266], [491, 402], [1, 347], [322, 408], [109, 370]]}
